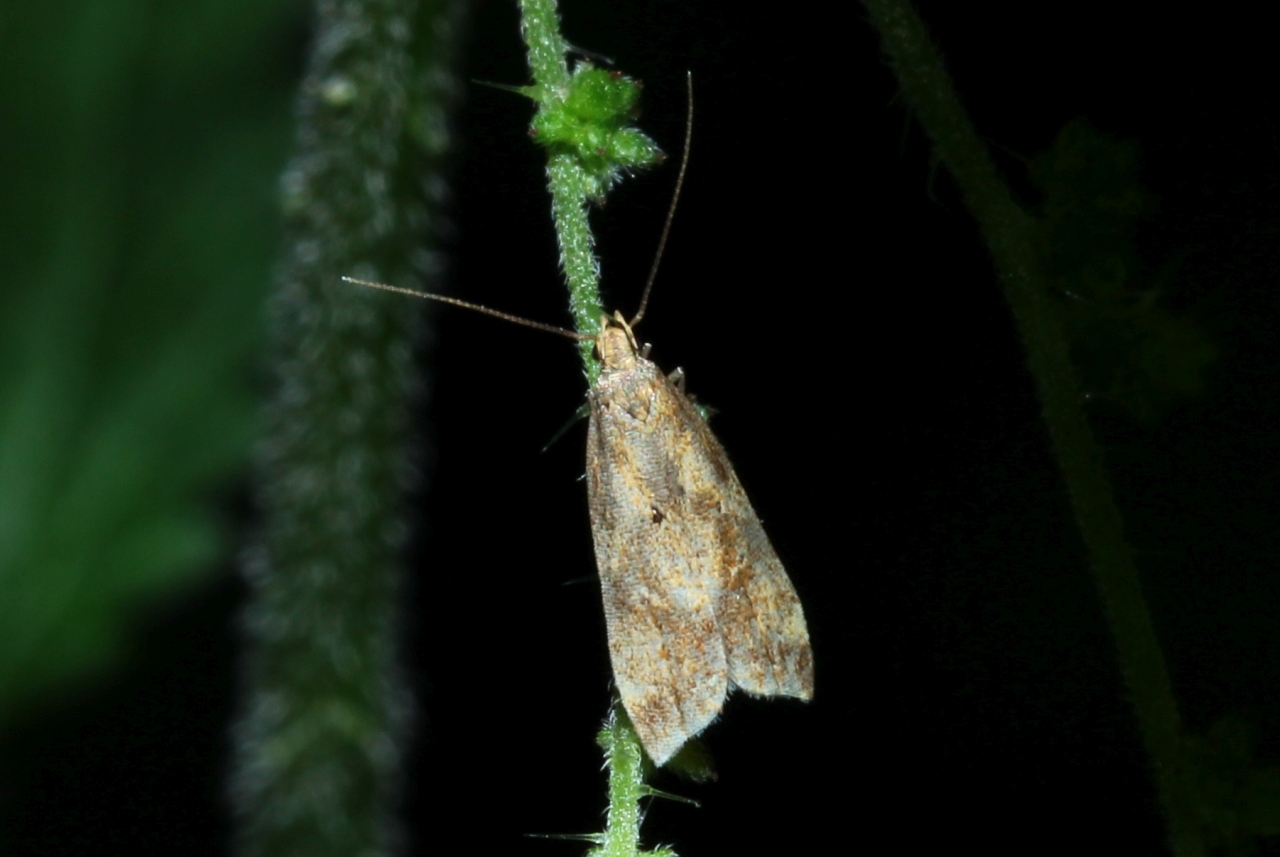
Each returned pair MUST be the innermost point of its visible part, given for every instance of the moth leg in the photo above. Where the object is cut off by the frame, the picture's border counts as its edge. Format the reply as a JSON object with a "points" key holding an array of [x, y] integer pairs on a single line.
{"points": [[583, 411], [677, 378]]}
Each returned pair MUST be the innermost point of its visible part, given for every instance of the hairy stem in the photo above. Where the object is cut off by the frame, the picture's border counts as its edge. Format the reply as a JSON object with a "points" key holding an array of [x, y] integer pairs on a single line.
{"points": [[625, 759], [574, 186], [320, 740], [568, 180]]}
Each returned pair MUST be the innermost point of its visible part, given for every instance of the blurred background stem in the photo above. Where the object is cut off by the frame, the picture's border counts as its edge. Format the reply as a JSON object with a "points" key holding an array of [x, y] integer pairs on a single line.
{"points": [[1007, 231], [326, 714]]}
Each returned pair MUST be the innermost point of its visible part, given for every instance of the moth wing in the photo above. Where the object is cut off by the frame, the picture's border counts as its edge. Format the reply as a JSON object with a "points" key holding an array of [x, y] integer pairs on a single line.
{"points": [[761, 622], [660, 597]]}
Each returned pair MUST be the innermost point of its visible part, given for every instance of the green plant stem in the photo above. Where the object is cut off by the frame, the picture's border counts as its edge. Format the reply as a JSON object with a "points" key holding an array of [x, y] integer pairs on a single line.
{"points": [[540, 27], [625, 760], [627, 768], [570, 186], [577, 252], [320, 739], [925, 82], [568, 181]]}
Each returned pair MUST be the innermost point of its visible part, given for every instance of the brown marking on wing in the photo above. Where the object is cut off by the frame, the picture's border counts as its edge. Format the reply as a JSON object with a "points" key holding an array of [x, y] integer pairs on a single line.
{"points": [[668, 658], [695, 596], [760, 618]]}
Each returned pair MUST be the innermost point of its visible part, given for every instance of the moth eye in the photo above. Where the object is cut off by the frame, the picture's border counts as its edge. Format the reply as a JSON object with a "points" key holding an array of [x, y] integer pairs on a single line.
{"points": [[658, 517]]}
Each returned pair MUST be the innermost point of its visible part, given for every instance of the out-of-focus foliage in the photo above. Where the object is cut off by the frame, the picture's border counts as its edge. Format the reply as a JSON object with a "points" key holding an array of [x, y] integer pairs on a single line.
{"points": [[1238, 799], [1126, 345], [139, 148]]}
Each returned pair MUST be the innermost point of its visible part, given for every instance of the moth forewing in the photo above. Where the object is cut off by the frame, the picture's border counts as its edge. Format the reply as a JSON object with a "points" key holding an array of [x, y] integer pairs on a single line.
{"points": [[695, 597], [759, 615]]}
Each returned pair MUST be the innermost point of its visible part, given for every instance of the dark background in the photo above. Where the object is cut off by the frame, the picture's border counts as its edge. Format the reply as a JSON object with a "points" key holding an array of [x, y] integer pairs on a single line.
{"points": [[828, 295]]}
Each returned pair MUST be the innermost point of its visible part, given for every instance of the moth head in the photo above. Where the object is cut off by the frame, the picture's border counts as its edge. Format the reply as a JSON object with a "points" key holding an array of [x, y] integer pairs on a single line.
{"points": [[616, 344]]}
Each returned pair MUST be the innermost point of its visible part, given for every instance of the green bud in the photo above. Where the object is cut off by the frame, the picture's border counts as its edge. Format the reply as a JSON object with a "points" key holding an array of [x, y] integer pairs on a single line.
{"points": [[591, 121]]}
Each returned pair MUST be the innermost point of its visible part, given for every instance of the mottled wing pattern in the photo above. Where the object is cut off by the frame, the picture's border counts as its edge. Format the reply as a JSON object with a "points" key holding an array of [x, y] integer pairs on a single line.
{"points": [[659, 600], [761, 623], [694, 595]]}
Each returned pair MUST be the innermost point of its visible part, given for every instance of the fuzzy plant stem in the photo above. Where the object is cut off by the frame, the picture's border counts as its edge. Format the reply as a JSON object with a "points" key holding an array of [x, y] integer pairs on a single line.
{"points": [[319, 744], [569, 182], [573, 187], [1006, 228], [625, 760]]}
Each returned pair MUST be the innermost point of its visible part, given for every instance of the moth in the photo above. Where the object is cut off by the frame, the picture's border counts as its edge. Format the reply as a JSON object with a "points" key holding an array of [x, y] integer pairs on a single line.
{"points": [[695, 598]]}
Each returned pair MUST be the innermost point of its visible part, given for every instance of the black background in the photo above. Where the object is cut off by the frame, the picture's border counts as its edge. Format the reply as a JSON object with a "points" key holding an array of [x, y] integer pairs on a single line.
{"points": [[829, 296]]}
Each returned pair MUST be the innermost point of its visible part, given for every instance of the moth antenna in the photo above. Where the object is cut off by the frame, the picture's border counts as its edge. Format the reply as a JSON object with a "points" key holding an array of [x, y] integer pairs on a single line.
{"points": [[675, 198], [505, 316], [580, 414]]}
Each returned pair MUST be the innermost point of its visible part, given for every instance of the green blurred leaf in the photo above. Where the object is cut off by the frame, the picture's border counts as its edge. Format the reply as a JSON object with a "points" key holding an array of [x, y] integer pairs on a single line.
{"points": [[1238, 799], [140, 145]]}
